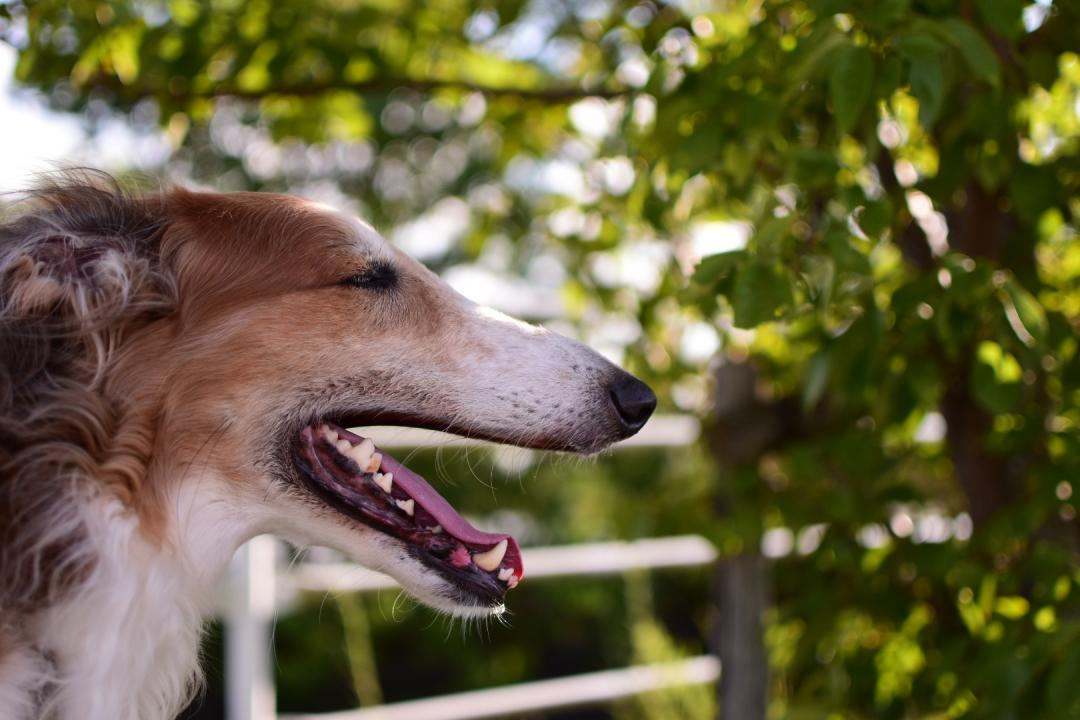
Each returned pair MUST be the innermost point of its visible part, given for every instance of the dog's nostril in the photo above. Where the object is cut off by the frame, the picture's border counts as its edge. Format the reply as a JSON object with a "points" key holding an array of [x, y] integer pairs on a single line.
{"points": [[633, 400]]}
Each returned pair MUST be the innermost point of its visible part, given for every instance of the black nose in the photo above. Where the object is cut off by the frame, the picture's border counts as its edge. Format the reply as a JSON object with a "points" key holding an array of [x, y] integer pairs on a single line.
{"points": [[633, 400]]}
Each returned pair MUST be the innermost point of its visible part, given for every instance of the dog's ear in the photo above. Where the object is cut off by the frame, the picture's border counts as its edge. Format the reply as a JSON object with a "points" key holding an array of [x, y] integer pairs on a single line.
{"points": [[26, 299], [82, 246], [77, 268], [64, 275]]}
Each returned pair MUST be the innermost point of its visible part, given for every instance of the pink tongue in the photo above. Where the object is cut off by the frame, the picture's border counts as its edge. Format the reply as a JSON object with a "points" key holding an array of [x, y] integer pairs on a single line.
{"points": [[443, 512]]}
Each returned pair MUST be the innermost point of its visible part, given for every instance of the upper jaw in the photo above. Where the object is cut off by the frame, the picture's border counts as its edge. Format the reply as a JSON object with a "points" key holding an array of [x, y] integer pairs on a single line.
{"points": [[558, 440]]}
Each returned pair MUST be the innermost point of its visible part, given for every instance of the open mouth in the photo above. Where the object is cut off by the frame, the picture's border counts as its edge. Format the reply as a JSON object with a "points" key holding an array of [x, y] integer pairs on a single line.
{"points": [[369, 486]]}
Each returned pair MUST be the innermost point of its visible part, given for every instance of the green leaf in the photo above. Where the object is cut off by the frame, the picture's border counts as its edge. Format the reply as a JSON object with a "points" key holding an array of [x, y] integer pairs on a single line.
{"points": [[987, 594], [972, 617], [1033, 189], [888, 76], [1025, 314], [813, 56], [714, 268], [920, 46], [772, 237], [1045, 619], [1063, 701], [889, 11], [850, 81], [813, 167], [1013, 607], [1003, 16], [761, 293], [995, 379], [973, 47], [928, 85], [125, 53], [817, 380], [829, 7]]}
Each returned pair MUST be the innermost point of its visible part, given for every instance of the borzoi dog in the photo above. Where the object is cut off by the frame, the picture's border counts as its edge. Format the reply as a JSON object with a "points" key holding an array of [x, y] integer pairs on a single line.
{"points": [[177, 373]]}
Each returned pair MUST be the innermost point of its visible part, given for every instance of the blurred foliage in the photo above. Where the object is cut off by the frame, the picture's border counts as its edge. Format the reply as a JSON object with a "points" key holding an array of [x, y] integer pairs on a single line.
{"points": [[872, 202]]}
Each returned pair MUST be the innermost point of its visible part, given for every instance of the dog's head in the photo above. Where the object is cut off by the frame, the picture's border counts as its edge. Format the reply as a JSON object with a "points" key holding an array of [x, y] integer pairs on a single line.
{"points": [[297, 322], [222, 345], [285, 323]]}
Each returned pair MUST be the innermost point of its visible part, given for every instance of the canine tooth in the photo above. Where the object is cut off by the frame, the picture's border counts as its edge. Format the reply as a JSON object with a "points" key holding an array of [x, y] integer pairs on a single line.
{"points": [[490, 560], [343, 446], [506, 573], [385, 481], [375, 462], [435, 529], [327, 433], [361, 454], [407, 506]]}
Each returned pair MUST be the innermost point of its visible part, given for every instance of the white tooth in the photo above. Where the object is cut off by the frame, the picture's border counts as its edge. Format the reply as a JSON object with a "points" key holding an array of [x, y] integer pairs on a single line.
{"points": [[385, 481], [406, 506], [506, 573], [343, 445], [327, 433], [375, 462], [490, 560], [435, 529], [361, 454]]}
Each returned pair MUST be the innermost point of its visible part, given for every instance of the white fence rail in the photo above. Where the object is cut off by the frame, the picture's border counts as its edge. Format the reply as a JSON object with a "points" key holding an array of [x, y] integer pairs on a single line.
{"points": [[595, 559], [258, 587], [249, 671], [557, 694]]}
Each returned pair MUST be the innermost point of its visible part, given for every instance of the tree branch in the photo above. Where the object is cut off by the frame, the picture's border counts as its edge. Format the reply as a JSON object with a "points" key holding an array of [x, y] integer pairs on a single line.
{"points": [[381, 86]]}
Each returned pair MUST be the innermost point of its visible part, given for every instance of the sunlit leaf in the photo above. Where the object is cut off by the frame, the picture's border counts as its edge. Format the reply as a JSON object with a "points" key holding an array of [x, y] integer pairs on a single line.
{"points": [[1013, 607], [1024, 313], [995, 379], [817, 380]]}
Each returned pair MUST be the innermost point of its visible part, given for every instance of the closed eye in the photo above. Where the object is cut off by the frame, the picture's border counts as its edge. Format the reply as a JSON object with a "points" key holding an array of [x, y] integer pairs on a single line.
{"points": [[379, 275]]}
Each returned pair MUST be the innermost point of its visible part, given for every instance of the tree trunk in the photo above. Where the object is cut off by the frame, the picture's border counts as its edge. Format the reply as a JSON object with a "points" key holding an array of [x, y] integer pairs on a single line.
{"points": [[985, 479], [979, 229]]}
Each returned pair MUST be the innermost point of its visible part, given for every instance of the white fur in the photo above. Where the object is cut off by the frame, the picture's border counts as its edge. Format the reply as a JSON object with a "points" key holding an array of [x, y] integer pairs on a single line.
{"points": [[128, 642], [23, 675]]}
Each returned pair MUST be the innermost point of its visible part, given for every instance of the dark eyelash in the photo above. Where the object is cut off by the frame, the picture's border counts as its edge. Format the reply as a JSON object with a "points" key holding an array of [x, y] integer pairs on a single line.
{"points": [[377, 276]]}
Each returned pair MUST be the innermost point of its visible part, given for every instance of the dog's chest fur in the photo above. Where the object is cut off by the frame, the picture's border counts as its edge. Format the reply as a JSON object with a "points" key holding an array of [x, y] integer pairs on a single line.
{"points": [[125, 646]]}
